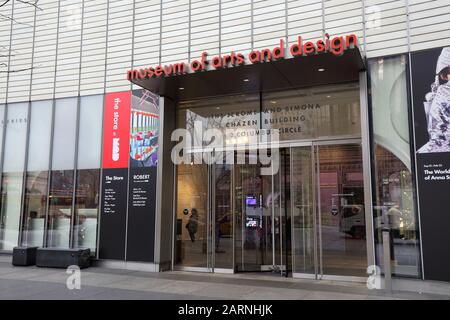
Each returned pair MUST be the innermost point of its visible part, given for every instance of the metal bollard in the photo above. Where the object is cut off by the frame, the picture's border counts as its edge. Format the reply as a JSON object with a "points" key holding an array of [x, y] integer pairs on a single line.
{"points": [[387, 260]]}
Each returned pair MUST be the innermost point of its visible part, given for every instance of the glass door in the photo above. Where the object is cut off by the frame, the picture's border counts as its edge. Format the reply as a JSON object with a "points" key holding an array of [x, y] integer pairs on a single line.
{"points": [[340, 194], [204, 217], [261, 217], [222, 222], [328, 214], [193, 218]]}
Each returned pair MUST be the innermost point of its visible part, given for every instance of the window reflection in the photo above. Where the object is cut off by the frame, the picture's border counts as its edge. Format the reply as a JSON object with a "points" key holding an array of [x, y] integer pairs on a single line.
{"points": [[60, 209], [34, 208], [86, 209], [13, 167], [393, 188], [10, 209], [395, 209]]}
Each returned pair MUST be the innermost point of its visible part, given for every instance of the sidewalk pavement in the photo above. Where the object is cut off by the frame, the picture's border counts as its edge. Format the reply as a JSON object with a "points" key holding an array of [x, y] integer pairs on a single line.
{"points": [[32, 283]]}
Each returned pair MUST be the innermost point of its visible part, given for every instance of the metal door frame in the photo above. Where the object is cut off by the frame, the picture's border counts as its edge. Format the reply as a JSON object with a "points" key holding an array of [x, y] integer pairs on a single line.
{"points": [[317, 214], [282, 266], [210, 221]]}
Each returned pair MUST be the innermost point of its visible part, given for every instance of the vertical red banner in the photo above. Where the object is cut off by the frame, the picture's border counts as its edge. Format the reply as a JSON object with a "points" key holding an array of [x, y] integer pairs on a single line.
{"points": [[116, 130]]}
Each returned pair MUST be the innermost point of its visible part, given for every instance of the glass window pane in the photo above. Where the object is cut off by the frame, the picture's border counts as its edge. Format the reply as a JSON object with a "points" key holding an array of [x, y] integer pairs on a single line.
{"points": [[34, 208], [88, 174], [394, 192], [86, 209], [191, 225], [90, 132], [12, 178], [10, 209], [60, 209], [62, 174], [15, 139], [303, 210], [2, 121], [328, 111], [237, 117], [64, 134], [37, 173], [40, 133]]}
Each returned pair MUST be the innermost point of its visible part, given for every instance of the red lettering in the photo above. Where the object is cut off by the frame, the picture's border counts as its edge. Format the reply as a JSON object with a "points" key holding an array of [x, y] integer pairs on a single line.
{"points": [[132, 74], [337, 46], [265, 54], [216, 62], [254, 56], [168, 70], [179, 68], [158, 71], [309, 47], [195, 65], [240, 59], [225, 62], [204, 61], [327, 42], [278, 52], [320, 46], [142, 73], [233, 58], [351, 40], [296, 48]]}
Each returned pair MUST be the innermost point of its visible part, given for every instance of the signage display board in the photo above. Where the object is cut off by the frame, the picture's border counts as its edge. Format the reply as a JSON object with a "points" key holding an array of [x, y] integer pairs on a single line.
{"points": [[334, 45], [130, 145], [116, 126], [431, 96], [144, 131]]}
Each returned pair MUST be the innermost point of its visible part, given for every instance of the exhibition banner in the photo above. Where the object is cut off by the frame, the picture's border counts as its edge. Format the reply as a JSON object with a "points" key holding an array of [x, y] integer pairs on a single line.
{"points": [[431, 96]]}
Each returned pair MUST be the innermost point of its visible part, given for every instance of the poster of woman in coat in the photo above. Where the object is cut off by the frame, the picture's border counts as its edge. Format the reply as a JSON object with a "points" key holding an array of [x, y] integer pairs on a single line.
{"points": [[437, 107]]}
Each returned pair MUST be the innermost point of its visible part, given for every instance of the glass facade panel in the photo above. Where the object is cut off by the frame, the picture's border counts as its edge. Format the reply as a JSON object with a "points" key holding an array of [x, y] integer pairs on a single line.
{"points": [[34, 208], [302, 203], [393, 188], [64, 133], [272, 210], [39, 136], [86, 208], [192, 216], [62, 174], [2, 123], [12, 177], [223, 215], [15, 137], [237, 114], [35, 201], [329, 111], [321, 112], [88, 174], [90, 132], [60, 208]]}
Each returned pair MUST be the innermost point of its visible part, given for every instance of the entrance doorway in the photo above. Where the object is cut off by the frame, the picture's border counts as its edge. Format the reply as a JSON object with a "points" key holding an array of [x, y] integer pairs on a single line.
{"points": [[328, 212], [307, 219]]}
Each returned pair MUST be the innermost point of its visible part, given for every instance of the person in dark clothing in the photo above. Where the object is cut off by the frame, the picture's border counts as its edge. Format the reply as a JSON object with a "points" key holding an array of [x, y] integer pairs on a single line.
{"points": [[192, 224]]}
